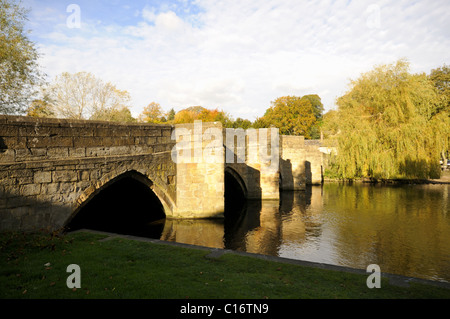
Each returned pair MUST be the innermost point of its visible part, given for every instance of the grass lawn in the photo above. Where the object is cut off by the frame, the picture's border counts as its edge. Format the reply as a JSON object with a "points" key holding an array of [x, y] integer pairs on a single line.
{"points": [[34, 266]]}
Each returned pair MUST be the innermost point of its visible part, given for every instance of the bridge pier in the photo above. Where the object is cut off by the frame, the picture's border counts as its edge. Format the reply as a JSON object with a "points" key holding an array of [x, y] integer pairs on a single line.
{"points": [[200, 170]]}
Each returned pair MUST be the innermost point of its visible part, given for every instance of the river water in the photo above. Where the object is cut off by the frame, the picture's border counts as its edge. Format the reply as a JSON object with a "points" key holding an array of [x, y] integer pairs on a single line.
{"points": [[404, 229]]}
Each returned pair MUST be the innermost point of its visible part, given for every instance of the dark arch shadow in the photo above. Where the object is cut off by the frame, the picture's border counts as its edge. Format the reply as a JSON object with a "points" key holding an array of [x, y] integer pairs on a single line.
{"points": [[235, 196], [235, 180], [124, 205]]}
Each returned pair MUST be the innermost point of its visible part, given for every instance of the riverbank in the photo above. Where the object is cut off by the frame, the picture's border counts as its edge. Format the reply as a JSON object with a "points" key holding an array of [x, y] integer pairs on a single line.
{"points": [[35, 266], [444, 179]]}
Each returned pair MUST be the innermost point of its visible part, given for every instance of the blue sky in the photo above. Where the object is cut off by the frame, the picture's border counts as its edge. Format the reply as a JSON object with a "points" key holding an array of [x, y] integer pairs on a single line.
{"points": [[237, 55]]}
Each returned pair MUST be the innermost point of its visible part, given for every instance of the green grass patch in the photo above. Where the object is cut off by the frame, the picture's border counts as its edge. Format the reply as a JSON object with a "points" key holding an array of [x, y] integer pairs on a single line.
{"points": [[34, 266]]}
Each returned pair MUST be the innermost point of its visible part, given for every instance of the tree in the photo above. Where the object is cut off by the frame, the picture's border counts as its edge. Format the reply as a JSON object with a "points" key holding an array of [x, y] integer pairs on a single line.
{"points": [[152, 113], [241, 123], [193, 113], [83, 96], [40, 108], [316, 104], [293, 115], [42, 105], [387, 125], [317, 107], [185, 116], [260, 123], [330, 126], [19, 71], [171, 115], [215, 115], [441, 81], [116, 115]]}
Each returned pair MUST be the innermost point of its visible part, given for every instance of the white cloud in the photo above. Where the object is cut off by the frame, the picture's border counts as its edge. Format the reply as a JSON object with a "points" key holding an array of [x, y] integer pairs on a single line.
{"points": [[240, 55]]}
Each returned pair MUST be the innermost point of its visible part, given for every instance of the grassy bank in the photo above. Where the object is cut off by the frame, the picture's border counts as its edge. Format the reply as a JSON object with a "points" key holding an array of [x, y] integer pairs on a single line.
{"points": [[34, 266]]}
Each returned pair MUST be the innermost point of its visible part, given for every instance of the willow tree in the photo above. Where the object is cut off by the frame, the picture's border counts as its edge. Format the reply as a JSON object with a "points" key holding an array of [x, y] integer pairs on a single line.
{"points": [[391, 125]]}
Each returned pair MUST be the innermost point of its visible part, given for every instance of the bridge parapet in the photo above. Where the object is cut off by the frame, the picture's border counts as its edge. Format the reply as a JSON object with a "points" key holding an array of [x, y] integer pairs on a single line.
{"points": [[35, 139]]}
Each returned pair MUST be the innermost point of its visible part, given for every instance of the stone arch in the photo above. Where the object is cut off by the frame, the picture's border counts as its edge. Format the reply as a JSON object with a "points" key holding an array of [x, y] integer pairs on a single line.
{"points": [[237, 177], [109, 179]]}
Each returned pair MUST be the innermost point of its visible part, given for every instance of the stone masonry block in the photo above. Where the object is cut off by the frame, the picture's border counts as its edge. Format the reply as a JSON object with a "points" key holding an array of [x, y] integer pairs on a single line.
{"points": [[97, 151], [43, 177], [77, 152], [57, 141], [7, 156], [8, 130], [64, 176], [30, 189], [58, 152]]}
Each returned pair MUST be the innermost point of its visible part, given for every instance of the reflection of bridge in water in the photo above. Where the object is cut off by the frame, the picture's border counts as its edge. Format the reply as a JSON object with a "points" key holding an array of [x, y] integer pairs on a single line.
{"points": [[262, 227], [55, 173]]}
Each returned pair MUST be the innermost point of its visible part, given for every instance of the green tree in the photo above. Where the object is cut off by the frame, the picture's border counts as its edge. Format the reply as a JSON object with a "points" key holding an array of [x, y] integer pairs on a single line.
{"points": [[241, 123], [441, 80], [317, 107], [171, 115], [293, 115], [316, 104], [390, 125], [260, 122], [19, 71]]}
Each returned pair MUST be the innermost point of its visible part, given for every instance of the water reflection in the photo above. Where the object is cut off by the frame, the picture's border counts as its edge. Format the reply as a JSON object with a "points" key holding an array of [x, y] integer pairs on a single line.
{"points": [[404, 229]]}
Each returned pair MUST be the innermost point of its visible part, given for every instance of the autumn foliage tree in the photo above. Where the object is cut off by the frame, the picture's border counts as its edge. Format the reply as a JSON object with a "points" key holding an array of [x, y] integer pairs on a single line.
{"points": [[152, 113], [190, 114]]}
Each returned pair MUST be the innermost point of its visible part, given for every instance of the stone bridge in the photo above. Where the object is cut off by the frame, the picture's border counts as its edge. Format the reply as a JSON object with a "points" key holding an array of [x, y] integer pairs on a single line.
{"points": [[52, 169]]}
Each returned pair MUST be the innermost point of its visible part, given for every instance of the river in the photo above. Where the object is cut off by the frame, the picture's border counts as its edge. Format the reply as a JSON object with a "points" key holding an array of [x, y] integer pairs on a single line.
{"points": [[403, 229]]}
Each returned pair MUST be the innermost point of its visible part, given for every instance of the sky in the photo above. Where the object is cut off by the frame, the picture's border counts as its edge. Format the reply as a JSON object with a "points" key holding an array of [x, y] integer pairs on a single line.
{"points": [[235, 55]]}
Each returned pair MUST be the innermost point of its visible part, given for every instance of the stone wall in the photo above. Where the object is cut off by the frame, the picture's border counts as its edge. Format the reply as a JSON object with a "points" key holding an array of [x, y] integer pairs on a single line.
{"points": [[313, 162], [200, 171], [260, 175], [51, 167], [300, 162], [292, 162]]}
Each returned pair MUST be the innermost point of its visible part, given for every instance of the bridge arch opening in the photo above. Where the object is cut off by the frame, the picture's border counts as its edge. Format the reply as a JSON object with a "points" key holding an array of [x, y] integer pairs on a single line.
{"points": [[235, 192], [125, 205]]}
